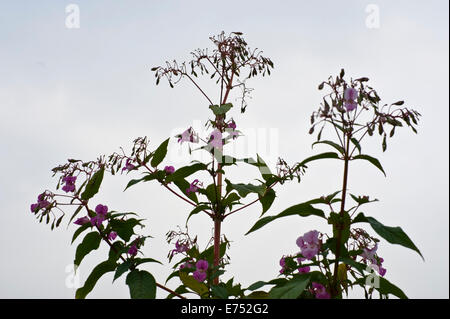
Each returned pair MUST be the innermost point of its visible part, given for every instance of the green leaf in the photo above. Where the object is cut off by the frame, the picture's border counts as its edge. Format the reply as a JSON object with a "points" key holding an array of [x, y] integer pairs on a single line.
{"points": [[386, 287], [75, 213], [333, 144], [291, 290], [261, 165], [220, 292], [197, 210], [190, 282], [122, 268], [185, 171], [331, 155], [267, 200], [372, 160], [256, 285], [146, 178], [93, 185], [160, 153], [222, 109], [356, 143], [394, 235], [142, 284], [124, 228], [245, 189], [97, 272], [302, 210], [90, 242], [183, 185], [79, 230], [139, 261], [232, 198]]}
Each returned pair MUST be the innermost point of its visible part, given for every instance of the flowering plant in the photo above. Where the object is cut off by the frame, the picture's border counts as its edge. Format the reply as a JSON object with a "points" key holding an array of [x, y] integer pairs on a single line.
{"points": [[325, 266]]}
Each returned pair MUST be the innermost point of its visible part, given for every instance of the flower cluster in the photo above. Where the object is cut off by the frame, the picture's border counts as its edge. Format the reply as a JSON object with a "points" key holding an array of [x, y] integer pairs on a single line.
{"points": [[97, 220]]}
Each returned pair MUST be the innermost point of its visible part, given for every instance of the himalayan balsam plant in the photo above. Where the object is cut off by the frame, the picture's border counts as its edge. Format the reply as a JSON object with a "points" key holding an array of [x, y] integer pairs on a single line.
{"points": [[325, 265]]}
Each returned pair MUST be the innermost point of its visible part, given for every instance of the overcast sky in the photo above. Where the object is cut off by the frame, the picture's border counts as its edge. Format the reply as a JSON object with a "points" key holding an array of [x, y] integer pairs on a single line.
{"points": [[81, 92]]}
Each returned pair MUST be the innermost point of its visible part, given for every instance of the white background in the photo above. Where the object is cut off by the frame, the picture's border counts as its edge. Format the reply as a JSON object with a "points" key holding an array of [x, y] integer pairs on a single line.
{"points": [[78, 93]]}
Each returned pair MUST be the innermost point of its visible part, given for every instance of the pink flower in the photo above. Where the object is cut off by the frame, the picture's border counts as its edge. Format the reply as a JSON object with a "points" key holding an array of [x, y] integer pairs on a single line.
{"points": [[188, 136], [112, 235], [169, 170], [133, 250], [283, 265], [97, 220], [309, 244], [69, 183], [369, 254], [41, 203], [101, 209], [215, 139], [200, 273], [82, 220], [200, 276], [128, 166], [350, 95], [193, 187], [304, 270], [232, 125], [319, 291], [186, 265]]}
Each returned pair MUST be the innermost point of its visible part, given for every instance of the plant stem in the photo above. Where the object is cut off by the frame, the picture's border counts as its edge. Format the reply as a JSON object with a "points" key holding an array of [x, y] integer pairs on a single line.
{"points": [[335, 288]]}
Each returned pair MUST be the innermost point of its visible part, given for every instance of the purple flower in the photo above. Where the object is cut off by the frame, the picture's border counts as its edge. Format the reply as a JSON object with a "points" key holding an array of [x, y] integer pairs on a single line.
{"points": [[112, 235], [319, 291], [41, 203], [309, 244], [180, 248], [283, 265], [188, 136], [82, 220], [350, 95], [200, 273], [193, 187], [186, 265], [169, 170], [101, 209], [215, 139], [69, 183], [200, 276], [33, 207], [304, 270], [97, 220], [133, 250], [128, 166], [369, 254], [232, 125], [202, 265]]}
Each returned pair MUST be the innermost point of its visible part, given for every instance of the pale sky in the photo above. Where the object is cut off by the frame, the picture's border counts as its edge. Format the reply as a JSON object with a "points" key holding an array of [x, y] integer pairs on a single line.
{"points": [[78, 93]]}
